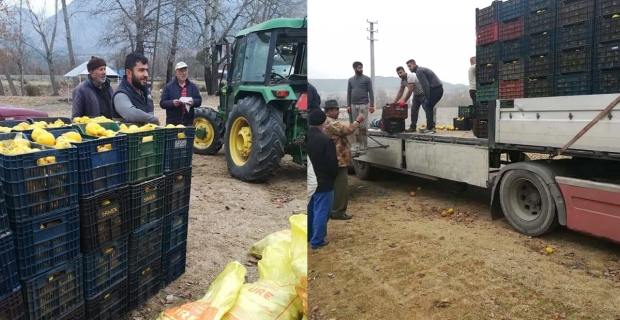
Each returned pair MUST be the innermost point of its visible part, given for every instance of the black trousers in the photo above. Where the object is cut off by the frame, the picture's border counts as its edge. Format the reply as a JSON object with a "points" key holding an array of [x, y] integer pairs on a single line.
{"points": [[472, 94], [435, 96], [415, 110]]}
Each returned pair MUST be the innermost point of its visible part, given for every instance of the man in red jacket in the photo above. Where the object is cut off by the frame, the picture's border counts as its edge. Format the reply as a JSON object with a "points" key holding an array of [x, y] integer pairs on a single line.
{"points": [[177, 111]]}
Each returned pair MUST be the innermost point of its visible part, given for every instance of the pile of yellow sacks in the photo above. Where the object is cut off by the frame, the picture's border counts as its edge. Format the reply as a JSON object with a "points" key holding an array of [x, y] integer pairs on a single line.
{"points": [[280, 292]]}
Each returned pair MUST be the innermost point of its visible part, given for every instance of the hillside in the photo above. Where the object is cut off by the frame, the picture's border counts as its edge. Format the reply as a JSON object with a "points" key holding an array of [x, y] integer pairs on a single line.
{"points": [[381, 83]]}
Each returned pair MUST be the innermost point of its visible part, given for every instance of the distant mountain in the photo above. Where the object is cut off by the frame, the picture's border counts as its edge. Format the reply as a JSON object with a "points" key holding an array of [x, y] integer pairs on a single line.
{"points": [[381, 83]]}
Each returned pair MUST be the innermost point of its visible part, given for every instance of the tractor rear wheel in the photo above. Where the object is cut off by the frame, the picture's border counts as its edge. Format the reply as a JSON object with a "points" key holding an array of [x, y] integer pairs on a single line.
{"points": [[255, 140], [209, 131]]}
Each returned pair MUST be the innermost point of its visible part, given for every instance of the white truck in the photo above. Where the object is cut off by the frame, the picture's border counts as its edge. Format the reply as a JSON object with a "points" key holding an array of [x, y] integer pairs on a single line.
{"points": [[580, 191]]}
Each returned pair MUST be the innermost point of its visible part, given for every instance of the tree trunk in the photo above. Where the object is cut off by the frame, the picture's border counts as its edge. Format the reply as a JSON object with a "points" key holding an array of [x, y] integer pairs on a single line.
{"points": [[7, 73], [69, 41], [139, 28], [1, 88], [154, 63], [50, 64], [20, 61], [173, 46]]}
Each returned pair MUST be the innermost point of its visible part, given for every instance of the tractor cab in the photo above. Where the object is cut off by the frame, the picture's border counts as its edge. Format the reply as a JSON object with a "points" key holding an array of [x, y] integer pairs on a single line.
{"points": [[262, 111]]}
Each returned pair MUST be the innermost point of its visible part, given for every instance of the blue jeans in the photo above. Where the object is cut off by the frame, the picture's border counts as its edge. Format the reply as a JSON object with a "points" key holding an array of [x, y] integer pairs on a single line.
{"points": [[319, 208]]}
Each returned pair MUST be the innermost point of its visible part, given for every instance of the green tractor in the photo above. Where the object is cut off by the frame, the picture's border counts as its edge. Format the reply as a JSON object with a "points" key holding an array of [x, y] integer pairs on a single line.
{"points": [[262, 110]]}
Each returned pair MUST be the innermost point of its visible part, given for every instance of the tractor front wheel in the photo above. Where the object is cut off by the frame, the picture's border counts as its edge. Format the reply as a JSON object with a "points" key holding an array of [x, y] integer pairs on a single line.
{"points": [[209, 131], [255, 140]]}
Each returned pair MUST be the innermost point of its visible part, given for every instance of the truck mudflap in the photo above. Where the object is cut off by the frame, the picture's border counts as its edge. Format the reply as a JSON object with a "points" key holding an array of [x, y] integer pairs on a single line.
{"points": [[592, 207]]}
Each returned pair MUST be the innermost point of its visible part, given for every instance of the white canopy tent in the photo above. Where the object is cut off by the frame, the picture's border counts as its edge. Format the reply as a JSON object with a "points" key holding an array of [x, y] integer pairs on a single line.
{"points": [[82, 71]]}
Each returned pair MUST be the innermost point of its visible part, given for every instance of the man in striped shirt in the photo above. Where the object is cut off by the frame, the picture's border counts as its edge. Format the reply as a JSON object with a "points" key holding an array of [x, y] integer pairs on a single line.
{"points": [[411, 82]]}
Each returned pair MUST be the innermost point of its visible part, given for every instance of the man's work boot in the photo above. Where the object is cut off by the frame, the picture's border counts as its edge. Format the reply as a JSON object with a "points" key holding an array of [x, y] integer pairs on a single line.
{"points": [[344, 216]]}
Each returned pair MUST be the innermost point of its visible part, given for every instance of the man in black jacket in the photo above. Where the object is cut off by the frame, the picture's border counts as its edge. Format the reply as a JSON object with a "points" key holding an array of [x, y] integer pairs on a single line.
{"points": [[178, 112], [322, 154], [314, 100], [433, 91]]}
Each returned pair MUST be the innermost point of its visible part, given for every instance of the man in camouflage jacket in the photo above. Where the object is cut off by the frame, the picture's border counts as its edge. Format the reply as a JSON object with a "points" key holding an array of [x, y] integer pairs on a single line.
{"points": [[339, 132]]}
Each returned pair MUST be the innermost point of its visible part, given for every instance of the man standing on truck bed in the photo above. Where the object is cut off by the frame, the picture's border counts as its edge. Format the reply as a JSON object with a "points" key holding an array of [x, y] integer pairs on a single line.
{"points": [[180, 87], [322, 155], [339, 133], [411, 82], [359, 96], [472, 79], [433, 91], [132, 99]]}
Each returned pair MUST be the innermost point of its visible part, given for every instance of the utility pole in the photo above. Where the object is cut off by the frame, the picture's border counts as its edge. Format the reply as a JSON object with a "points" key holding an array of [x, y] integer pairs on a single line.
{"points": [[372, 52]]}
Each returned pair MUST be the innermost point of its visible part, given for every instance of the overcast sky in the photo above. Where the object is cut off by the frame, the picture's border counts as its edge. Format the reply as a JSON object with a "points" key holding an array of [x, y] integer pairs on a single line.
{"points": [[418, 29]]}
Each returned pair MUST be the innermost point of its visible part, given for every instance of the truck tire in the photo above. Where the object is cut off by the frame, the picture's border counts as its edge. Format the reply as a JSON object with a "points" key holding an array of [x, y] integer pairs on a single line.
{"points": [[255, 140], [209, 131], [527, 203], [363, 170]]}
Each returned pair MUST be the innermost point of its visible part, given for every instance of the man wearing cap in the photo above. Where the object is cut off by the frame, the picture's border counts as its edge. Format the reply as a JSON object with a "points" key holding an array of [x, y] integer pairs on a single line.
{"points": [[178, 112], [339, 133], [322, 156], [93, 97]]}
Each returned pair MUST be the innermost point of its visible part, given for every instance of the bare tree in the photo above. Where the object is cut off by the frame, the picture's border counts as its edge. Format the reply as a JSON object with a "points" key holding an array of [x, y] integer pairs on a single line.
{"points": [[65, 14], [175, 40], [42, 28], [8, 35], [155, 42]]}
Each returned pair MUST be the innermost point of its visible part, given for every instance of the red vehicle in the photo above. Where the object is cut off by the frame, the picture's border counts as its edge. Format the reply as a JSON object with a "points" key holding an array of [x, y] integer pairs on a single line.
{"points": [[8, 112]]}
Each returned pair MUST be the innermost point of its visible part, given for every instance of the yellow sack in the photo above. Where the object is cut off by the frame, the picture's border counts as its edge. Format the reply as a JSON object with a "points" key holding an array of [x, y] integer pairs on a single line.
{"points": [[217, 301], [257, 249], [266, 300], [299, 256], [273, 296]]}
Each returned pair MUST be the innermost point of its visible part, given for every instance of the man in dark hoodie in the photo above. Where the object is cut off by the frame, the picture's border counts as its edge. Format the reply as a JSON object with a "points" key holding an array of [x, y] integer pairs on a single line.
{"points": [[180, 87], [93, 97], [132, 99], [433, 91], [322, 154]]}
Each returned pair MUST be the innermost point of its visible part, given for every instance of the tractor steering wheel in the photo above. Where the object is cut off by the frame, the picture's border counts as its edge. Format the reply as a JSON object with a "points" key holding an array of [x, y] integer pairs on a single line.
{"points": [[277, 75]]}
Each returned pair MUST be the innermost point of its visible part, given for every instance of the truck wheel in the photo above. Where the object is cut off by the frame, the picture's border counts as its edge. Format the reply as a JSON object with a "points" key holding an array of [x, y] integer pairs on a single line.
{"points": [[255, 140], [527, 203], [363, 170], [209, 131]]}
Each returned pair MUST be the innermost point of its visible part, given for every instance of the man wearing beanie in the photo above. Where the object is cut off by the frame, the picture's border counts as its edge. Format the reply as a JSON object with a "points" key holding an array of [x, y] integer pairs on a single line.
{"points": [[339, 133], [322, 155], [132, 100], [93, 97]]}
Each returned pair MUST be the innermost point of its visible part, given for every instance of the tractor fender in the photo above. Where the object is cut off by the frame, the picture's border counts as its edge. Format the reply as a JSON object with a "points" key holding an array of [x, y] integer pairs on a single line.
{"points": [[546, 170]]}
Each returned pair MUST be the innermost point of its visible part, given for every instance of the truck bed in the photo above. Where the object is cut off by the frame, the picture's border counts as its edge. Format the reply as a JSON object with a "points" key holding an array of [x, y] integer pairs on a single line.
{"points": [[442, 136]]}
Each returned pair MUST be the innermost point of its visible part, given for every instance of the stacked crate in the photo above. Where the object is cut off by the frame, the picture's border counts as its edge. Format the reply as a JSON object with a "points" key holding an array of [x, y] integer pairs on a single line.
{"points": [[178, 170], [487, 60], [41, 195], [512, 47], [541, 17], [607, 46], [11, 300], [574, 47], [146, 202]]}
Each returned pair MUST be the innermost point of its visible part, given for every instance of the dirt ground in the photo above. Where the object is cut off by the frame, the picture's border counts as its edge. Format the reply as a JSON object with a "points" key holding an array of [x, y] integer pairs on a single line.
{"points": [[398, 258], [226, 216]]}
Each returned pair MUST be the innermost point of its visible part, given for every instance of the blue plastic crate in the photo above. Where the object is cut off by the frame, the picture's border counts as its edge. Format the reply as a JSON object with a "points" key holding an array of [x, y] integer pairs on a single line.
{"points": [[111, 304], [55, 293], [512, 49], [540, 66], [539, 87], [607, 56], [541, 43], [144, 283], [102, 171], [78, 313], [12, 306], [4, 218], [145, 245], [511, 10], [9, 277], [543, 19], [178, 190], [607, 29], [103, 218], [573, 84], [105, 267], [175, 229], [574, 60], [535, 5], [178, 148], [173, 264], [33, 190], [606, 82], [575, 36], [46, 242], [607, 7]]}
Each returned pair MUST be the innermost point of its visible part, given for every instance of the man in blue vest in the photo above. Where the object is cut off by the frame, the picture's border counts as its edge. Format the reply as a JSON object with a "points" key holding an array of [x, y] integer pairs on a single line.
{"points": [[132, 99], [178, 112]]}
